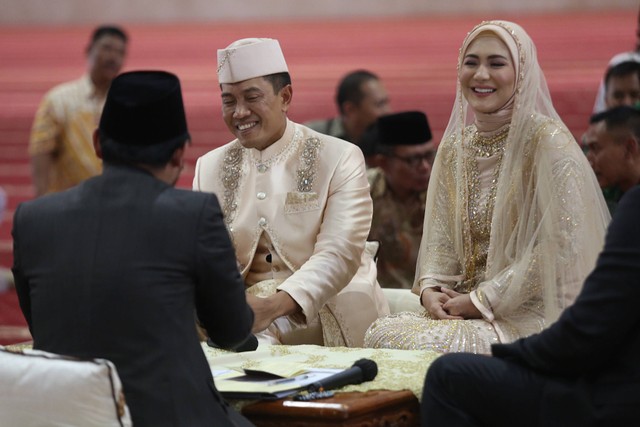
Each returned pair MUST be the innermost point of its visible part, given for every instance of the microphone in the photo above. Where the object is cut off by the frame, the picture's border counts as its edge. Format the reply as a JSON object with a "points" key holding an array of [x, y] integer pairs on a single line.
{"points": [[361, 371]]}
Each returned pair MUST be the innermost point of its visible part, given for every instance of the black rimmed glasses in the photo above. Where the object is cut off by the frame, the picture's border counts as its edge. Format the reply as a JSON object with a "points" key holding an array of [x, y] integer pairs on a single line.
{"points": [[415, 161]]}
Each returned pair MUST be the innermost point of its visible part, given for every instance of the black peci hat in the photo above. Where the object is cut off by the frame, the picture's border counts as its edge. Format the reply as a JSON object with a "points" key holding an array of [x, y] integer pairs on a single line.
{"points": [[406, 128], [144, 109]]}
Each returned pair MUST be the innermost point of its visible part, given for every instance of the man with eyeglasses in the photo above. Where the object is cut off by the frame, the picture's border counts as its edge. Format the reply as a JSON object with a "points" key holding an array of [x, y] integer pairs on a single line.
{"points": [[404, 153]]}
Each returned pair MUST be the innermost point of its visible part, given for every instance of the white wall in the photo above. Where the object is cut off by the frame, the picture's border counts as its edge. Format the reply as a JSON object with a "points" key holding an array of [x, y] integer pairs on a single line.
{"points": [[60, 12]]}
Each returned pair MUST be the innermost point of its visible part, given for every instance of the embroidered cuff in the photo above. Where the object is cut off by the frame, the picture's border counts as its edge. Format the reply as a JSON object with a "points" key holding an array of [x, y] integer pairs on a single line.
{"points": [[479, 299]]}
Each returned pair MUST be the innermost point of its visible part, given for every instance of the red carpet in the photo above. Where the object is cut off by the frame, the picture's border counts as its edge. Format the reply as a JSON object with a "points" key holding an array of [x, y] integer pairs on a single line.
{"points": [[416, 58]]}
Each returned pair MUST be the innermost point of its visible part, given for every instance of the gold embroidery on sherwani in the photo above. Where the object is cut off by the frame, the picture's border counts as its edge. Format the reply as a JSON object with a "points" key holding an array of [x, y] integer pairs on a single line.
{"points": [[307, 168], [231, 171], [304, 199]]}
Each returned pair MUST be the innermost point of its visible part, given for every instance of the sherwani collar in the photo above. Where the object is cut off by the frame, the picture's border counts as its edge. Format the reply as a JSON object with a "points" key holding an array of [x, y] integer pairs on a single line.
{"points": [[274, 150]]}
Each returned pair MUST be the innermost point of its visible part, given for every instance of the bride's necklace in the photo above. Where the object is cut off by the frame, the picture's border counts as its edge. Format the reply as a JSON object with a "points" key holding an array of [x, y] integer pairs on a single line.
{"points": [[487, 146], [482, 146]]}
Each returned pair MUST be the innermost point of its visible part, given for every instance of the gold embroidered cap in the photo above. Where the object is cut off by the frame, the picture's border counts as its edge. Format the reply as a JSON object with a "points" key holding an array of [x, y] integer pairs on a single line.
{"points": [[248, 58]]}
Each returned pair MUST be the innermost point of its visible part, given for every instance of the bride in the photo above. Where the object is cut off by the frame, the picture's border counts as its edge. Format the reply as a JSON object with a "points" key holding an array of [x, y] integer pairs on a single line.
{"points": [[514, 216]]}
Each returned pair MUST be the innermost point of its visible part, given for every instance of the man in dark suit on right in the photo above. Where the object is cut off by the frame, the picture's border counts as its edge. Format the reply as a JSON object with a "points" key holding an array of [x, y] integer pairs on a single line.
{"points": [[119, 266], [584, 370]]}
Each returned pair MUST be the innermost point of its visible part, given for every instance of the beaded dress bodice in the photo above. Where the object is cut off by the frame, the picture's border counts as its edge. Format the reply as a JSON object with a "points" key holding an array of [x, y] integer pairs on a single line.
{"points": [[482, 161]]}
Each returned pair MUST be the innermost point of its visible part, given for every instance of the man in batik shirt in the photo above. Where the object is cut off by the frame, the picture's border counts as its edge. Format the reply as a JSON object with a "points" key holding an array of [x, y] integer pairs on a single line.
{"points": [[61, 142], [405, 154]]}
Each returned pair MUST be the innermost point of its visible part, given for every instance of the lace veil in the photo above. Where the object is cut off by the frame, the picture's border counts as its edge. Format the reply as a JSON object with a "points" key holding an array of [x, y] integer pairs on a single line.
{"points": [[549, 216]]}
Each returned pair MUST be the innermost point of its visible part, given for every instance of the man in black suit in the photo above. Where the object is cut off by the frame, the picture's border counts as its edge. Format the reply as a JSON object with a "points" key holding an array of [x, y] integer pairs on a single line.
{"points": [[119, 266], [581, 371]]}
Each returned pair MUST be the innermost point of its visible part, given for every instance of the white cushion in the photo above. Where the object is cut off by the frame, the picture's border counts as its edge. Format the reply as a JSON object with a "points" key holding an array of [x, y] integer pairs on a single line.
{"points": [[402, 300], [38, 388]]}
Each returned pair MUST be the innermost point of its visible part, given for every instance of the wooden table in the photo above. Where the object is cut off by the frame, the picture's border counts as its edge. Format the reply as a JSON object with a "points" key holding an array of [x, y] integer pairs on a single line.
{"points": [[376, 408]]}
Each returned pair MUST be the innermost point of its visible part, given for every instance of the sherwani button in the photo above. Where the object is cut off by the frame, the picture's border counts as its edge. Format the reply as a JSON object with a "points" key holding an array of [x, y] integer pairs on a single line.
{"points": [[262, 222], [262, 195]]}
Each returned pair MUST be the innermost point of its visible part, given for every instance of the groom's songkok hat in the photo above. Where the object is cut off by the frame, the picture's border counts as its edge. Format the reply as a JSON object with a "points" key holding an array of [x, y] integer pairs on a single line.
{"points": [[245, 59]]}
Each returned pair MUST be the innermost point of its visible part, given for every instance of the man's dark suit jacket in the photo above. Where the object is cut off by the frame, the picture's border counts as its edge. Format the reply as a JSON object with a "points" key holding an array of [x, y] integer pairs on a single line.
{"points": [[117, 268], [594, 348]]}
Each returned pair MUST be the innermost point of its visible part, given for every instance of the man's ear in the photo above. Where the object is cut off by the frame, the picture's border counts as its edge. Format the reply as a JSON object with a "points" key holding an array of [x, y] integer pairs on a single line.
{"points": [[177, 158], [286, 93], [96, 144], [631, 146]]}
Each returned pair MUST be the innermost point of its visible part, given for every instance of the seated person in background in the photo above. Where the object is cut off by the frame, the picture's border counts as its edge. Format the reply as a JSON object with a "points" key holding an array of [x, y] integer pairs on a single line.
{"points": [[622, 84], [581, 371], [297, 205], [360, 98], [514, 218], [622, 87], [119, 266], [634, 56], [613, 144], [405, 153], [61, 146]]}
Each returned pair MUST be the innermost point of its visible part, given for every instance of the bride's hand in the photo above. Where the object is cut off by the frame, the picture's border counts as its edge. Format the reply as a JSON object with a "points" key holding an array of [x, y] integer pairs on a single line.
{"points": [[433, 300], [460, 305]]}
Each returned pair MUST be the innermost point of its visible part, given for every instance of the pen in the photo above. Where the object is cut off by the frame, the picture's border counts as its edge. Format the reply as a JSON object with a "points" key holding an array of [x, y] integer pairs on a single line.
{"points": [[288, 380]]}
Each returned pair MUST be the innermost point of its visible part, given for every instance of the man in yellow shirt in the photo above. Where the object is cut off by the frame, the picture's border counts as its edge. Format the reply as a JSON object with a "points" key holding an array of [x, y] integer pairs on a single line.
{"points": [[60, 145]]}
